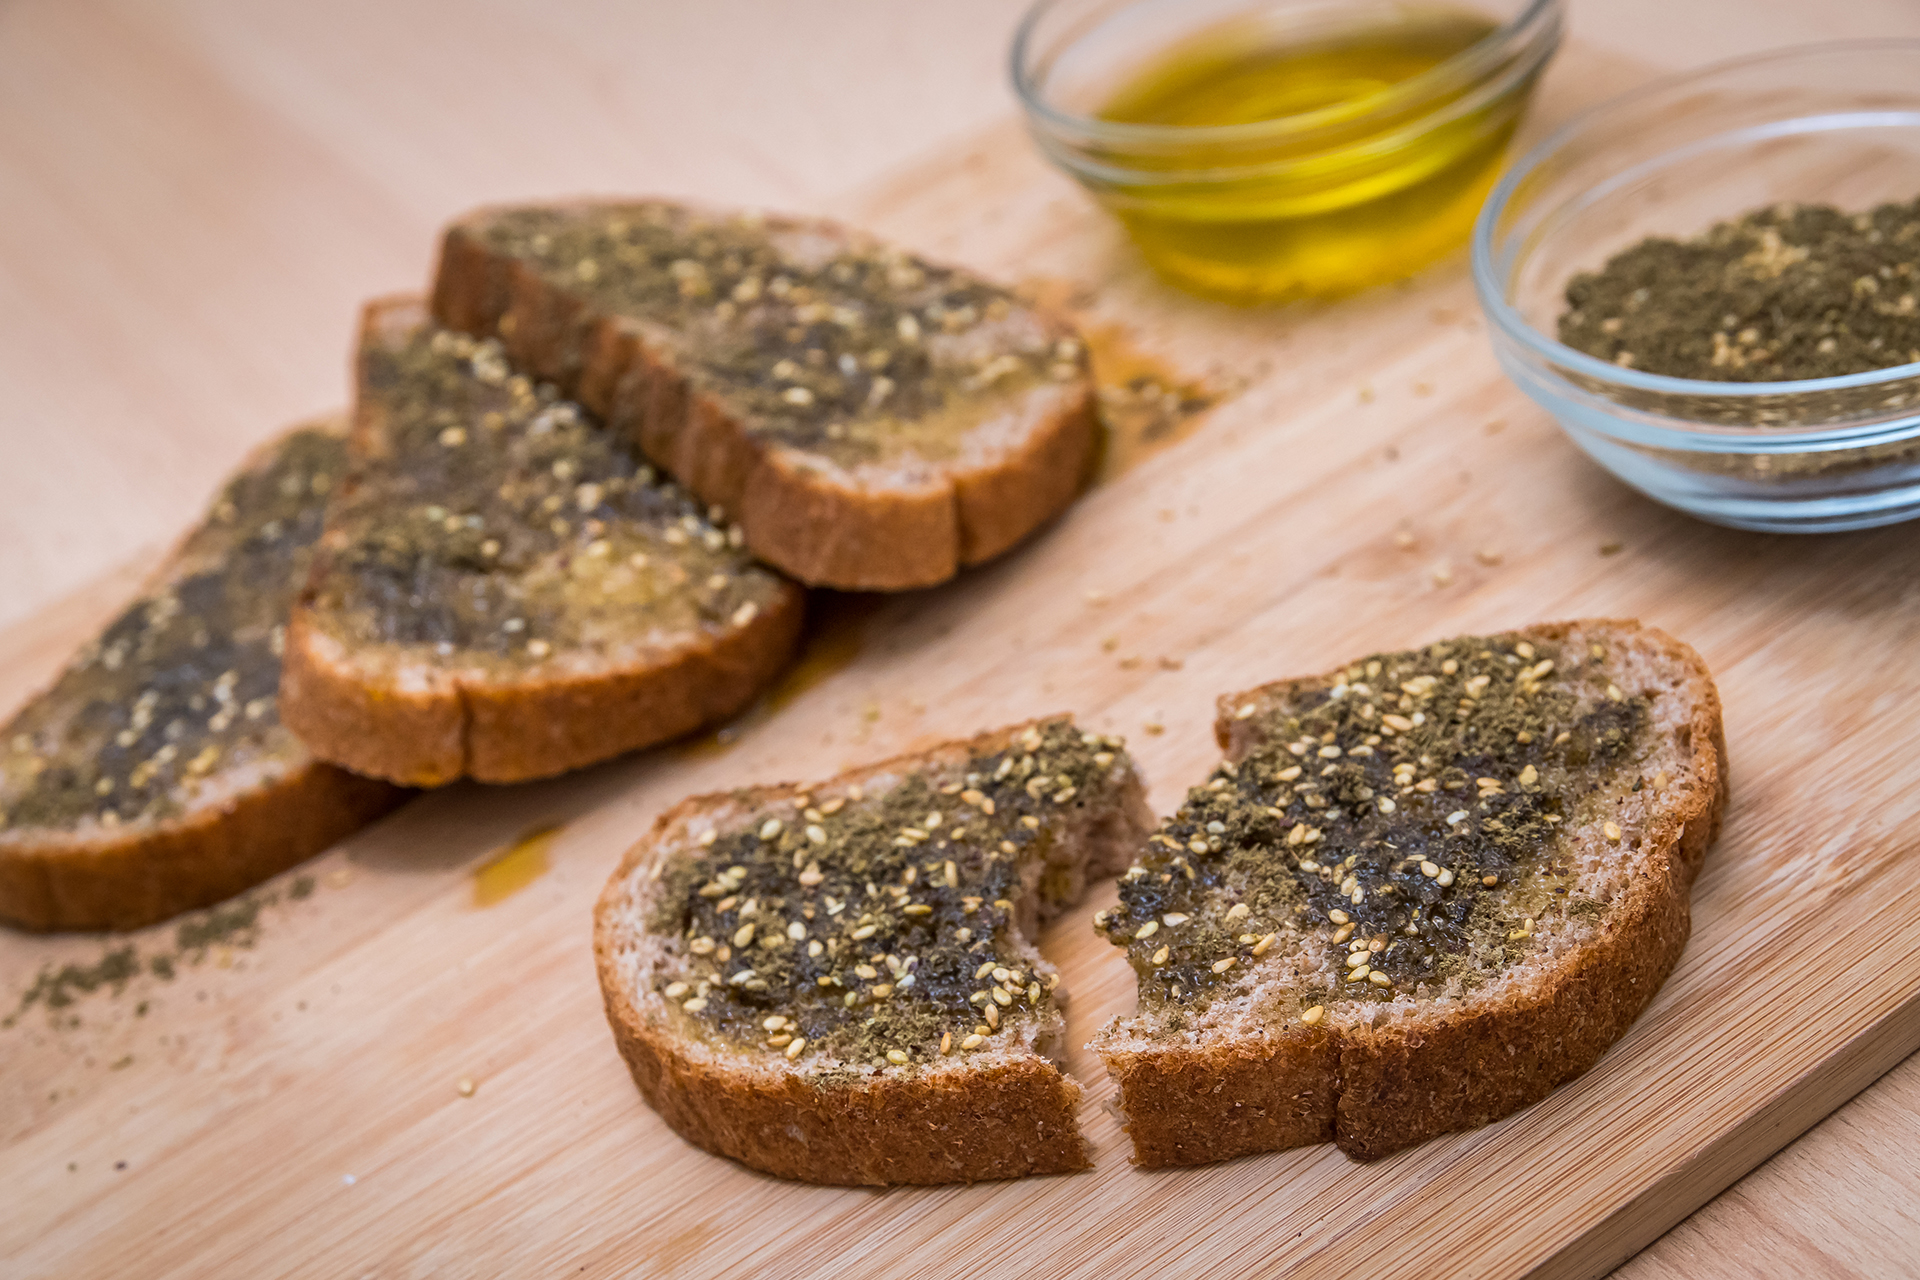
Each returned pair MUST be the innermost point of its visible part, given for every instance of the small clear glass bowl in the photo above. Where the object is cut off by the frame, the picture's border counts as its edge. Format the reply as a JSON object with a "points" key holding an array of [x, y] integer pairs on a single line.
{"points": [[1831, 124], [1325, 201]]}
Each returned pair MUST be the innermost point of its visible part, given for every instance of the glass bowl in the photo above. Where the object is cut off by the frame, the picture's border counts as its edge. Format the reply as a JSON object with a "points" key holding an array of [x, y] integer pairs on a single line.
{"points": [[1361, 177], [1833, 124]]}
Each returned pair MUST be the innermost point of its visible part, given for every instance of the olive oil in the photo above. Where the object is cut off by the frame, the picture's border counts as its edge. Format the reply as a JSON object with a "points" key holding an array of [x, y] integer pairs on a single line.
{"points": [[1348, 160]]}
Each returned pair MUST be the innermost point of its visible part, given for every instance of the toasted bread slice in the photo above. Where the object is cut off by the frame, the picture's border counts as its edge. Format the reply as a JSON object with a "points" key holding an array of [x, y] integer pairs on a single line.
{"points": [[503, 590], [874, 421], [1419, 893], [835, 982], [155, 775]]}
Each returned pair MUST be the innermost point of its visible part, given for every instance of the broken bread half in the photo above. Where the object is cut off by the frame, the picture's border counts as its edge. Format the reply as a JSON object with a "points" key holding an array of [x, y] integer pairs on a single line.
{"points": [[875, 421], [504, 590], [836, 982], [155, 775], [1419, 893]]}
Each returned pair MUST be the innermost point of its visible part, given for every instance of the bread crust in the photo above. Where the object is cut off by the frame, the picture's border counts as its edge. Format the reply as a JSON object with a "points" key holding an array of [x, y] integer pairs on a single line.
{"points": [[1378, 1090], [420, 725], [99, 878], [949, 1123], [426, 733], [819, 528], [138, 876]]}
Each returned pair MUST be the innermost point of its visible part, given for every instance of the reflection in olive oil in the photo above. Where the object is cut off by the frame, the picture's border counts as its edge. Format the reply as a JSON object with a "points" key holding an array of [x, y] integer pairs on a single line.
{"points": [[1353, 197], [835, 628], [523, 862]]}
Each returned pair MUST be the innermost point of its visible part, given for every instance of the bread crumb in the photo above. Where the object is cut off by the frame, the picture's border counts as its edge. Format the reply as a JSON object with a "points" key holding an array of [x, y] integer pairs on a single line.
{"points": [[1154, 728], [466, 1087], [1423, 388], [339, 878], [1403, 540], [1495, 427], [1488, 556], [1096, 598], [1129, 662], [1366, 395], [1612, 548], [1170, 663], [1110, 644], [1443, 575]]}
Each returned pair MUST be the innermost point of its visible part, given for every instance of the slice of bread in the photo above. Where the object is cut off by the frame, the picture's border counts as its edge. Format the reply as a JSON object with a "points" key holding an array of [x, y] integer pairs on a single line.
{"points": [[874, 421], [836, 982], [1419, 893], [503, 590], [155, 775]]}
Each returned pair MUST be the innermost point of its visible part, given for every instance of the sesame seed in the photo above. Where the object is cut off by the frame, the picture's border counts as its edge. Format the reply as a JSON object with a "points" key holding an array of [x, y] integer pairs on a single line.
{"points": [[770, 828], [1457, 817], [1173, 919], [1265, 944], [864, 932], [793, 1049], [992, 1015], [1147, 930], [695, 1005], [1529, 776], [897, 1058], [743, 935], [973, 1041], [1160, 956], [1338, 916], [1238, 911], [1613, 833], [1313, 1016], [1379, 979], [1358, 960], [675, 990], [1221, 966], [1359, 974], [796, 930], [1429, 869]]}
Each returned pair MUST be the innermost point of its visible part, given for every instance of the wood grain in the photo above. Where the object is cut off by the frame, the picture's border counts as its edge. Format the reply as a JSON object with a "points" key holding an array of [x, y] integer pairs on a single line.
{"points": [[260, 1079]]}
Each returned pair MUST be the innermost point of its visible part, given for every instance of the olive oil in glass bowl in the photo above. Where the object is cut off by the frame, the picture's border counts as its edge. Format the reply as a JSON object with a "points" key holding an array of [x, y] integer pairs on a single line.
{"points": [[1260, 152]]}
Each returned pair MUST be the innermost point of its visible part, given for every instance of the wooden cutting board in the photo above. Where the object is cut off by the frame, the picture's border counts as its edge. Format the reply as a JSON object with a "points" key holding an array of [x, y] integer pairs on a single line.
{"points": [[393, 1063]]}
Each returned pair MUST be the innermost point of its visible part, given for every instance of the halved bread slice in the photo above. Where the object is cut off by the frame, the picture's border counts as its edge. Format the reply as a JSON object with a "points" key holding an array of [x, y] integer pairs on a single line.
{"points": [[503, 590], [1419, 893], [155, 775], [835, 982], [875, 421]]}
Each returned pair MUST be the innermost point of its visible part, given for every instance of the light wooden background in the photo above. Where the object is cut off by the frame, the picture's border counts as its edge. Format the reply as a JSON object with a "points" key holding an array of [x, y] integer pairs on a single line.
{"points": [[196, 197]]}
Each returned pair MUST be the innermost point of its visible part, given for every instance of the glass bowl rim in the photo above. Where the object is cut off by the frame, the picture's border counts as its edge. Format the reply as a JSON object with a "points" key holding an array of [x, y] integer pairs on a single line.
{"points": [[1508, 320], [1475, 63]]}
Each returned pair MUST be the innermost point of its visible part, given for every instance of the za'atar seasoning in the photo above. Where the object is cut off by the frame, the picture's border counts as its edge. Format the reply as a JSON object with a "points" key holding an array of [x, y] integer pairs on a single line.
{"points": [[1777, 294]]}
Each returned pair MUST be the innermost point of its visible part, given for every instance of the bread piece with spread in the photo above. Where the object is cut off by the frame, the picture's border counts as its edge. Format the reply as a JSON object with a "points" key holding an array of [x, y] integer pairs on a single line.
{"points": [[874, 421], [503, 590], [836, 982], [155, 775], [1419, 893]]}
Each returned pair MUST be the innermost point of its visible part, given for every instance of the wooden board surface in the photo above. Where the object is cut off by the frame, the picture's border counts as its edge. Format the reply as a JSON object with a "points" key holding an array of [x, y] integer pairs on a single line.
{"points": [[293, 1106]]}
